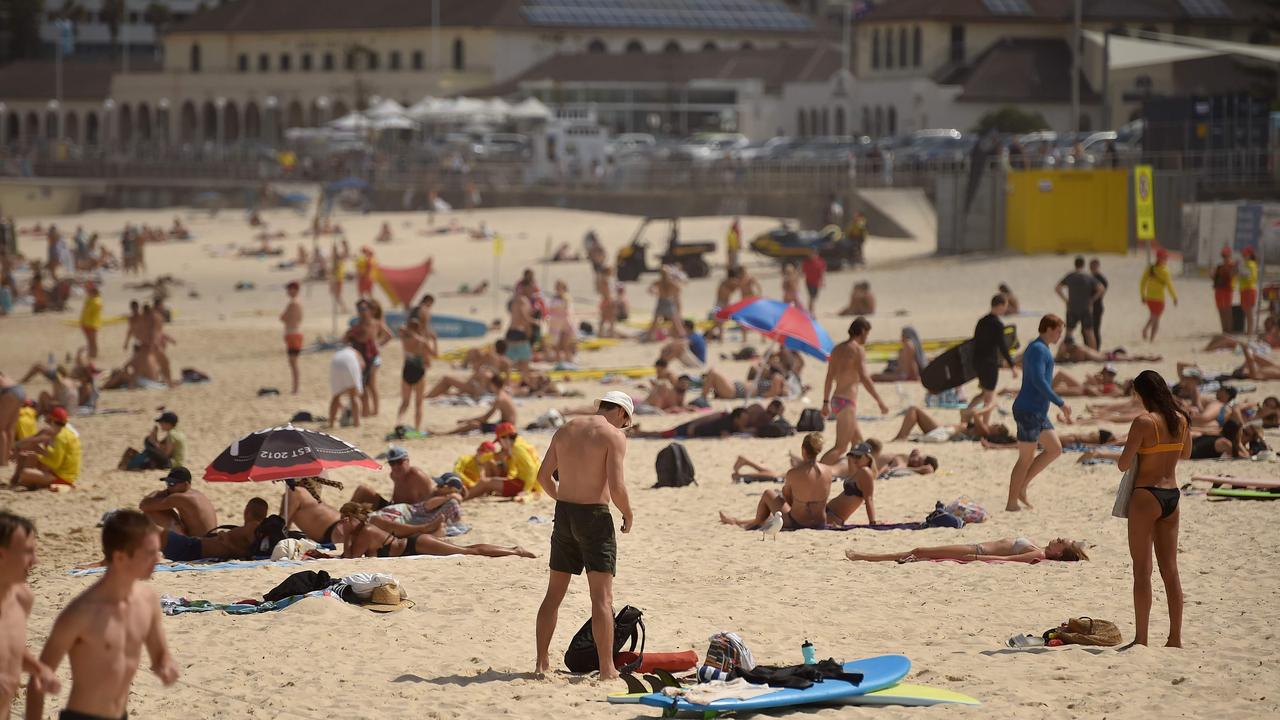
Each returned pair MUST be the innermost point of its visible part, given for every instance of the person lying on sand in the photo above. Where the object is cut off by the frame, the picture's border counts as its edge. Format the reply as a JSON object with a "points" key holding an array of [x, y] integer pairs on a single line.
{"points": [[492, 357], [1070, 351], [1007, 549], [503, 405], [913, 463], [432, 516], [302, 507], [473, 386], [711, 425], [179, 507], [803, 497], [367, 540], [973, 425], [1085, 438], [235, 543], [715, 384], [861, 301], [64, 390], [1099, 384], [1257, 367]]}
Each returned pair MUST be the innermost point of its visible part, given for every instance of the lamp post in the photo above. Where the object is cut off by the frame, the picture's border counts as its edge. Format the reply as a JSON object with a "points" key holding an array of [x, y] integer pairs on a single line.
{"points": [[55, 107], [220, 103], [322, 102], [163, 125]]}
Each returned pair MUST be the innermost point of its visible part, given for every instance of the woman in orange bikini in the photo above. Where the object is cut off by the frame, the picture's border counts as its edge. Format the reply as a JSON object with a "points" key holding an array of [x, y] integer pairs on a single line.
{"points": [[1158, 439]]}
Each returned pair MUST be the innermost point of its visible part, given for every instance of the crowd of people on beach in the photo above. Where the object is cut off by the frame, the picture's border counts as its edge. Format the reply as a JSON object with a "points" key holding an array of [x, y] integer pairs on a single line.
{"points": [[1201, 415]]}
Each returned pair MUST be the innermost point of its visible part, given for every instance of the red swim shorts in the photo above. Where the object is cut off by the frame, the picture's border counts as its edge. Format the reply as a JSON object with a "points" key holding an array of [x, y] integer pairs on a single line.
{"points": [[1248, 298], [1156, 307], [1222, 298], [512, 487]]}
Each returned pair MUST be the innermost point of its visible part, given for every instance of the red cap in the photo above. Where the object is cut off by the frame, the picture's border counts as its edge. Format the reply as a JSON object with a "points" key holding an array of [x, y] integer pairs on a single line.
{"points": [[486, 448], [1162, 254], [58, 415], [504, 429], [1226, 252], [1247, 251]]}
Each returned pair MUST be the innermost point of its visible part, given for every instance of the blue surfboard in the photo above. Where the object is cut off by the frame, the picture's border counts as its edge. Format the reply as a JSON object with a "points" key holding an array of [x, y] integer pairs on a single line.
{"points": [[449, 327], [877, 673]]}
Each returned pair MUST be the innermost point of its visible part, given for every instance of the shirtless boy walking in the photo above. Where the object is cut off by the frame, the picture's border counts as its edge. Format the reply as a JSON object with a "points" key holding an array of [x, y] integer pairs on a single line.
{"points": [[846, 370], [17, 556], [593, 449], [292, 320], [104, 628]]}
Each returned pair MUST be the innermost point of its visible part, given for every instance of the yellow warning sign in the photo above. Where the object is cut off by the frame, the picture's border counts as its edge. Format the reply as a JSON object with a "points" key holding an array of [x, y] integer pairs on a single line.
{"points": [[1144, 203]]}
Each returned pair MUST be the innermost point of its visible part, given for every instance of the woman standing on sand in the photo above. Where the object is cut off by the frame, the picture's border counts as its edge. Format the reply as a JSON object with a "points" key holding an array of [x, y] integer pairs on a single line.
{"points": [[1158, 439]]}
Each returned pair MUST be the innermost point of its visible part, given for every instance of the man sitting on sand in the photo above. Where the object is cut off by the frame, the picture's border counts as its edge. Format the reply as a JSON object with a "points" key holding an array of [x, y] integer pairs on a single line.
{"points": [[409, 484], [690, 350], [105, 628], [302, 507], [164, 447], [231, 544], [910, 360], [503, 404], [139, 370], [522, 465], [50, 457], [861, 301], [180, 508], [803, 497]]}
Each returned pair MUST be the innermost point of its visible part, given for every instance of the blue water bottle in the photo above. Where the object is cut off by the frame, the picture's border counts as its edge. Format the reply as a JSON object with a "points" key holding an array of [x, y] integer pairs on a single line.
{"points": [[810, 655]]}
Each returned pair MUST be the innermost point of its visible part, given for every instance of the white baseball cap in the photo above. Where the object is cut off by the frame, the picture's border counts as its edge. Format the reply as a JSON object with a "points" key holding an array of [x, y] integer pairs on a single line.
{"points": [[620, 399]]}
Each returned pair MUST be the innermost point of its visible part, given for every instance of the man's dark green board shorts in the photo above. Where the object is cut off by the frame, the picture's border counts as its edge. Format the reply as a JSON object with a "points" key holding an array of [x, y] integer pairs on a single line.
{"points": [[583, 537]]}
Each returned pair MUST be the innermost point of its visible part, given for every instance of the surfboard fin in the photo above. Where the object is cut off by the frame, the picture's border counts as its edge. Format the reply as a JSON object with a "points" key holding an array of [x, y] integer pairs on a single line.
{"points": [[667, 678], [634, 686]]}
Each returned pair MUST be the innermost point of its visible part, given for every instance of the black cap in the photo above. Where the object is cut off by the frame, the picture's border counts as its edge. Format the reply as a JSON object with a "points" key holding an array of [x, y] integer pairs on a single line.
{"points": [[177, 475], [168, 416]]}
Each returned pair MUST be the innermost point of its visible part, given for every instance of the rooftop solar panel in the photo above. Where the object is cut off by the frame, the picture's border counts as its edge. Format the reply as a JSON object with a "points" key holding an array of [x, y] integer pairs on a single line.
{"points": [[766, 15], [1206, 8]]}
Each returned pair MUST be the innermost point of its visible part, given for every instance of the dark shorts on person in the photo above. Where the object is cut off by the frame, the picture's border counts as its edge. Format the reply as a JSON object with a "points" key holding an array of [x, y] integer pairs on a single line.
{"points": [[988, 375], [813, 290], [327, 538], [380, 502], [583, 538], [77, 715], [1080, 316], [414, 369], [1030, 425], [182, 548]]}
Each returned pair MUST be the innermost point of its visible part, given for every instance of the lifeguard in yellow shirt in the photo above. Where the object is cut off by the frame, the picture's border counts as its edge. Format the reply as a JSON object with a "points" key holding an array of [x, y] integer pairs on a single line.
{"points": [[50, 457], [91, 318], [1247, 281], [1155, 281]]}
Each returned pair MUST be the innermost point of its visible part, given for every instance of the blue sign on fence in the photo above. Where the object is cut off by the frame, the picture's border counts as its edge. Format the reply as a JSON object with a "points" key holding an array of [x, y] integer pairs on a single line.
{"points": [[1248, 226]]}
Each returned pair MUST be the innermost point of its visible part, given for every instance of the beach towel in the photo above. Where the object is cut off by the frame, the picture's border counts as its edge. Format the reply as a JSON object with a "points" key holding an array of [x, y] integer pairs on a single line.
{"points": [[990, 561], [882, 526], [195, 567], [181, 606]]}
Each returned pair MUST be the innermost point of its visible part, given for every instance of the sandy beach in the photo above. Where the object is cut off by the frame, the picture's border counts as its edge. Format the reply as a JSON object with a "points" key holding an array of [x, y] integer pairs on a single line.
{"points": [[467, 648]]}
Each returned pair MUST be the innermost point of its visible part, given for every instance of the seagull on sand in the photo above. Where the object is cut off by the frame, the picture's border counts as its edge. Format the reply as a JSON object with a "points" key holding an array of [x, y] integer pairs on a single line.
{"points": [[771, 526]]}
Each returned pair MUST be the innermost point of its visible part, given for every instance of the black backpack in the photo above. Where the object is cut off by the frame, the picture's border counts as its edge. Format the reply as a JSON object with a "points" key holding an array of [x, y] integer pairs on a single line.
{"points": [[269, 532], [582, 657], [776, 429], [810, 421], [675, 468]]}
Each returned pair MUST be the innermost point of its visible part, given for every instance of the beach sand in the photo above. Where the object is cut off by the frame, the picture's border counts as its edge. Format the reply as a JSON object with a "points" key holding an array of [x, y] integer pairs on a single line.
{"points": [[467, 648]]}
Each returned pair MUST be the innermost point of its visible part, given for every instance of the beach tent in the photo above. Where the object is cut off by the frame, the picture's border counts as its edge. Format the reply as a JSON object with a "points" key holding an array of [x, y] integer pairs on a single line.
{"points": [[531, 108], [393, 122], [384, 109], [352, 122]]}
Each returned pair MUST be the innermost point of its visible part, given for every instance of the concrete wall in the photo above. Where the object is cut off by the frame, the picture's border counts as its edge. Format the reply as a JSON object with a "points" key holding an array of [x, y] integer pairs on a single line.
{"points": [[26, 198]]}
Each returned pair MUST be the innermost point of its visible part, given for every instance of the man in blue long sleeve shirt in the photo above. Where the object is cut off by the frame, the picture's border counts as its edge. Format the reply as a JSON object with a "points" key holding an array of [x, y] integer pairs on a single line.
{"points": [[1031, 413]]}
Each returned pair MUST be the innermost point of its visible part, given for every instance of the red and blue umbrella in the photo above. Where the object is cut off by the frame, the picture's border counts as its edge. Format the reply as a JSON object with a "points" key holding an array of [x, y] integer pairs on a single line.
{"points": [[793, 327]]}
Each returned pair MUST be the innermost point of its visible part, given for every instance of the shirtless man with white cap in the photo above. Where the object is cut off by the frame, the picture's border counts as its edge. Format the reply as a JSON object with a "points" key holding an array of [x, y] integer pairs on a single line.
{"points": [[593, 449]]}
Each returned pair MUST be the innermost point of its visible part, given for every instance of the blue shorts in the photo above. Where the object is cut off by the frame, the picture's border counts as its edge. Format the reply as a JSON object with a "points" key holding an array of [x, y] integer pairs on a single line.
{"points": [[182, 547], [519, 351], [1030, 425]]}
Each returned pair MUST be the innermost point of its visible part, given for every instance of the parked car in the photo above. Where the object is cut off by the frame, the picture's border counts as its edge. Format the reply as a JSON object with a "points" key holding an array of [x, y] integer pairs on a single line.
{"points": [[933, 149], [502, 146], [832, 148], [628, 144], [775, 148], [706, 147]]}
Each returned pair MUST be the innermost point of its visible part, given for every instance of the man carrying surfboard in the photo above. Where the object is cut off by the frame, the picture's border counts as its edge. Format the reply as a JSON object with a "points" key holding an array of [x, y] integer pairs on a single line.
{"points": [[590, 477], [846, 369]]}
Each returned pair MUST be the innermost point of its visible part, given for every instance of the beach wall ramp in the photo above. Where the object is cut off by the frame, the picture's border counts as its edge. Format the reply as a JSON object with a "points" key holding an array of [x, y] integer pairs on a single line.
{"points": [[29, 197], [905, 213]]}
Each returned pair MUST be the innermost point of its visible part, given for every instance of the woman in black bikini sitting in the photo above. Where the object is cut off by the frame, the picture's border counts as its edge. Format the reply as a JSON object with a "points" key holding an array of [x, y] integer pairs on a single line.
{"points": [[365, 540], [1158, 439], [859, 488]]}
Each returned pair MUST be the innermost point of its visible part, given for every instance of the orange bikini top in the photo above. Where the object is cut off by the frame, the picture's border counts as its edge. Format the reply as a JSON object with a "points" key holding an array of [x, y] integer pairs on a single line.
{"points": [[1161, 448]]}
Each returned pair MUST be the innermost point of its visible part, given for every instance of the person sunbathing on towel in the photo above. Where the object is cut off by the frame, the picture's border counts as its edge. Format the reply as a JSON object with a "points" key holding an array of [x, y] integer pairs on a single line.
{"points": [[913, 463], [367, 540], [234, 543], [473, 386], [803, 497], [1007, 549], [1257, 367], [1099, 384], [1071, 351], [711, 425], [973, 425], [307, 511]]}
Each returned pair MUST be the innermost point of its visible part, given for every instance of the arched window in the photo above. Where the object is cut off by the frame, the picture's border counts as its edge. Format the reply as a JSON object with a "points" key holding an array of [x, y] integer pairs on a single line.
{"points": [[875, 49], [635, 46], [195, 58], [866, 120], [459, 54], [840, 121], [815, 122], [306, 62], [888, 48], [597, 46], [671, 47], [893, 121], [801, 127], [826, 121], [917, 47], [710, 46], [879, 122], [902, 47]]}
